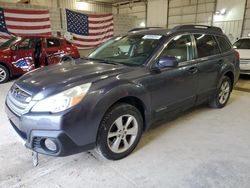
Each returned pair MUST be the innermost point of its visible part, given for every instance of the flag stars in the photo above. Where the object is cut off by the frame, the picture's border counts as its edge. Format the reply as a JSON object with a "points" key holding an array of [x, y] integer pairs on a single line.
{"points": [[2, 22], [77, 23]]}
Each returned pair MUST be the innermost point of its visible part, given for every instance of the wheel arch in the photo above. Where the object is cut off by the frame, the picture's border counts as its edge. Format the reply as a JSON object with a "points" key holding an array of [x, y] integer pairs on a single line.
{"points": [[136, 102], [125, 92], [230, 75], [7, 67]]}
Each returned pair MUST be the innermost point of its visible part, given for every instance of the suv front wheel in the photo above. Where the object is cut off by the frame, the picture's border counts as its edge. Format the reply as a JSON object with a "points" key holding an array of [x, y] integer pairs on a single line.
{"points": [[222, 96], [120, 131]]}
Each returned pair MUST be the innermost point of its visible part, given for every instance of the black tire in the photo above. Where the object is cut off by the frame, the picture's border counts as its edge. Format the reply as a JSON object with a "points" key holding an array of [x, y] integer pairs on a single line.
{"points": [[4, 74], [123, 111], [216, 101]]}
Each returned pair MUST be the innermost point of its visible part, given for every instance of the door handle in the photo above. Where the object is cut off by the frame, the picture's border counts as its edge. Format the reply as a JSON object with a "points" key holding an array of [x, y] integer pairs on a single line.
{"points": [[193, 70]]}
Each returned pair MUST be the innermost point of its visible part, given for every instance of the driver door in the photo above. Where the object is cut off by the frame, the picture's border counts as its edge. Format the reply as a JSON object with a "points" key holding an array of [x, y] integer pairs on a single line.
{"points": [[174, 89]]}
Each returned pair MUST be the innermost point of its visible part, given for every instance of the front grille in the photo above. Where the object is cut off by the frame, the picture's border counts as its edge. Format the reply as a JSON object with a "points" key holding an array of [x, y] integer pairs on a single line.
{"points": [[18, 100]]}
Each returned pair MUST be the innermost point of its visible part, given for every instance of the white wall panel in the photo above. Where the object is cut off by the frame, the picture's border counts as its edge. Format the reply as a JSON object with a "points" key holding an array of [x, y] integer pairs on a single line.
{"points": [[206, 7], [7, 1], [179, 3], [138, 10], [157, 13], [246, 23], [175, 11], [234, 10], [70, 4], [191, 11], [231, 28], [232, 21]]}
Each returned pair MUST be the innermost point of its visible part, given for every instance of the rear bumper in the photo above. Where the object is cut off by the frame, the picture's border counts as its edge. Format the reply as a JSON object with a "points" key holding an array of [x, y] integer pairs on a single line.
{"points": [[34, 136], [245, 72], [244, 66]]}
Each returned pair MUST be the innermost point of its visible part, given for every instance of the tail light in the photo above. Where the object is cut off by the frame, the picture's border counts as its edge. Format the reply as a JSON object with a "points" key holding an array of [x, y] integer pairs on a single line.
{"points": [[237, 55]]}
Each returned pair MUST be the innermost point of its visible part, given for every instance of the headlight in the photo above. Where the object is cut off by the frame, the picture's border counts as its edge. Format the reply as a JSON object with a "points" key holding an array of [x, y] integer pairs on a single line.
{"points": [[62, 101]]}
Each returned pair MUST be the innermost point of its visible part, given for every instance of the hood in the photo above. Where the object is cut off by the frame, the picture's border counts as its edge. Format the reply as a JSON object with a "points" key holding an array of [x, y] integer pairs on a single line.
{"points": [[56, 78]]}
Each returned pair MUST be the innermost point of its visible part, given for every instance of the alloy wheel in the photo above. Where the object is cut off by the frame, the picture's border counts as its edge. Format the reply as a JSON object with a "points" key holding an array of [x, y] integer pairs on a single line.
{"points": [[2, 74], [122, 133], [224, 92]]}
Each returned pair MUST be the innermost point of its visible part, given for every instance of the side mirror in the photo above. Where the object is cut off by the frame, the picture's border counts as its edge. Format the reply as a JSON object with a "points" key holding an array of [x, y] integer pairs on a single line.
{"points": [[167, 61], [13, 48]]}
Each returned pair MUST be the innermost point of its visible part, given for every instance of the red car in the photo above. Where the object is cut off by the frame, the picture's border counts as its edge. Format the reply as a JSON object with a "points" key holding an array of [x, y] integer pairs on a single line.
{"points": [[22, 54]]}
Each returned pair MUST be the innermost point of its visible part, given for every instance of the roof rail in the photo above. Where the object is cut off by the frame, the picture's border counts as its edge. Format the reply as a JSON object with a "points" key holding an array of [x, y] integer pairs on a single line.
{"points": [[143, 28], [198, 27]]}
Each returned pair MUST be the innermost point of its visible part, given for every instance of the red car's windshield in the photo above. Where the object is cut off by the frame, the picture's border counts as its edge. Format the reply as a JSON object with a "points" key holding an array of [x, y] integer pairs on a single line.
{"points": [[9, 42]]}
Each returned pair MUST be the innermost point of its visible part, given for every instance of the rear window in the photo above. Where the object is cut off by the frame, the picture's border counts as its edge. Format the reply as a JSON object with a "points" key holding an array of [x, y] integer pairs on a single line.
{"points": [[206, 45], [242, 44], [52, 42], [225, 46]]}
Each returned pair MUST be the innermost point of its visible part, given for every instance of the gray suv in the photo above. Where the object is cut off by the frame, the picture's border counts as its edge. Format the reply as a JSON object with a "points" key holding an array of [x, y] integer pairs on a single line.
{"points": [[107, 100]]}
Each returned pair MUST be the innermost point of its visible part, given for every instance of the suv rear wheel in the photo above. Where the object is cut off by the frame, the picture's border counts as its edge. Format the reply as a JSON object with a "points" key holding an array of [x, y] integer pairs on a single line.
{"points": [[222, 96], [4, 74], [120, 131]]}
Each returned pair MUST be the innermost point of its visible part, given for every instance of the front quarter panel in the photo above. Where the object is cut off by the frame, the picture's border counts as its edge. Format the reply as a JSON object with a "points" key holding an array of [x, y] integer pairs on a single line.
{"points": [[89, 114]]}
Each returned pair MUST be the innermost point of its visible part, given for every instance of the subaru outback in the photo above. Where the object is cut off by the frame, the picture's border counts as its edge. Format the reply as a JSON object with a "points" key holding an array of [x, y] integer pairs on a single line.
{"points": [[108, 99]]}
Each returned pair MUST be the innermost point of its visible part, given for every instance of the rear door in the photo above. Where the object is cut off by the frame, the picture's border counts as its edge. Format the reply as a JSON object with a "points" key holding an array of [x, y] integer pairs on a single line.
{"points": [[209, 62]]}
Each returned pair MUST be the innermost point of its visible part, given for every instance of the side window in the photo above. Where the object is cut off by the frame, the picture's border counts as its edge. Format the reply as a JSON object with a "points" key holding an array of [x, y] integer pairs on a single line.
{"points": [[224, 44], [180, 47], [27, 44], [52, 43], [206, 45]]}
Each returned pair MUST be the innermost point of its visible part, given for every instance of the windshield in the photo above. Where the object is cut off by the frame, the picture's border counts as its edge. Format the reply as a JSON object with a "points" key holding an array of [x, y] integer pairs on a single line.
{"points": [[9, 42], [242, 44], [128, 50]]}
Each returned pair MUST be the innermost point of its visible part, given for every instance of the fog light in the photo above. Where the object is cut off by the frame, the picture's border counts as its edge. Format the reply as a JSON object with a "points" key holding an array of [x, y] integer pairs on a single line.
{"points": [[50, 145]]}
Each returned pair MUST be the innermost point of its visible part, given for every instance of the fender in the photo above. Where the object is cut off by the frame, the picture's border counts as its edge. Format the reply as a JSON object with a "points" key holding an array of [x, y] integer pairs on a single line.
{"points": [[122, 89], [5, 60], [98, 102], [9, 67], [225, 69]]}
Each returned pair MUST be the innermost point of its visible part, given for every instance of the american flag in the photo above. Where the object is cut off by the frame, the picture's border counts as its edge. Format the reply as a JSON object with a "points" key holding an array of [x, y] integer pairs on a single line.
{"points": [[23, 22], [89, 30]]}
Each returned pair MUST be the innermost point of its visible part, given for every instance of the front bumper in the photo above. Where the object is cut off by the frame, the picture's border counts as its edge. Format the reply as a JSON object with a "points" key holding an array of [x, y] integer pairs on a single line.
{"points": [[244, 66], [34, 134]]}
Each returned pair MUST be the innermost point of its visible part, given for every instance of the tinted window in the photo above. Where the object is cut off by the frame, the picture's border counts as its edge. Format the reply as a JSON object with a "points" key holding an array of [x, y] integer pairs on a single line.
{"points": [[224, 44], [206, 45], [53, 43], [27, 43], [180, 48], [242, 44]]}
